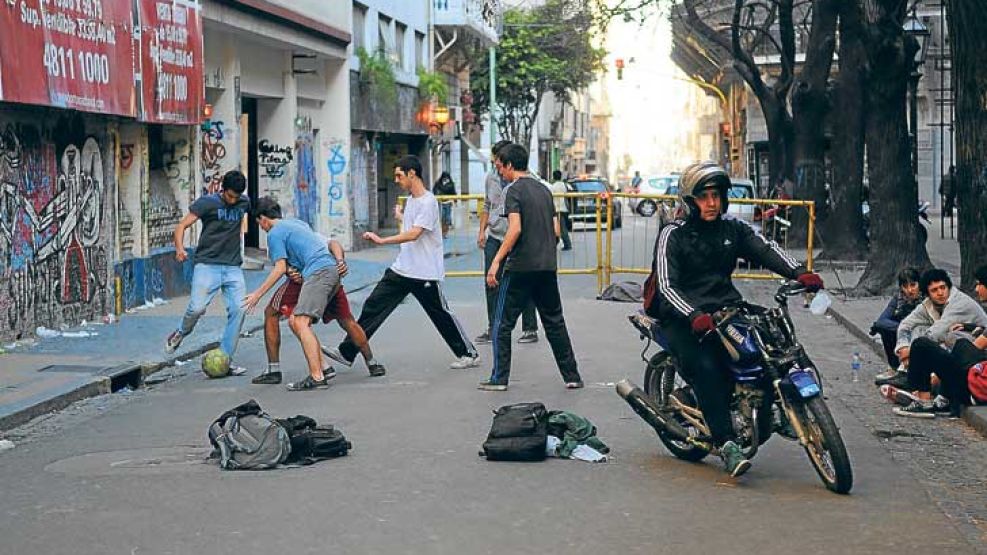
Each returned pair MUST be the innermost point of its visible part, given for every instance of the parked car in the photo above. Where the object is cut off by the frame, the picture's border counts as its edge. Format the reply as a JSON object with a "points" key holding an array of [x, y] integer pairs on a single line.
{"points": [[654, 185], [582, 211], [741, 189]]}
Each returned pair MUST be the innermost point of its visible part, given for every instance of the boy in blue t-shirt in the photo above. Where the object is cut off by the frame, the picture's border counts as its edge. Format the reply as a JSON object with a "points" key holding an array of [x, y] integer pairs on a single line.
{"points": [[292, 243]]}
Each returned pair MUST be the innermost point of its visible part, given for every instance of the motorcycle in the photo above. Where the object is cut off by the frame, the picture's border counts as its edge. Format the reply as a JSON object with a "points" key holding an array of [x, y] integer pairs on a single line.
{"points": [[777, 389]]}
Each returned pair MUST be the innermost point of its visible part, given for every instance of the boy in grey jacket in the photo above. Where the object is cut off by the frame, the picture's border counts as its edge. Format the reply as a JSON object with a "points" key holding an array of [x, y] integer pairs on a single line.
{"points": [[923, 334]]}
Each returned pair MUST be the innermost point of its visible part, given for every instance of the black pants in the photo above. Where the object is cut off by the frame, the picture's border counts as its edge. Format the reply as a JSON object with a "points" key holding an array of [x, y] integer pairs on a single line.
{"points": [[388, 294], [888, 341], [517, 290], [704, 366], [927, 358], [529, 322]]}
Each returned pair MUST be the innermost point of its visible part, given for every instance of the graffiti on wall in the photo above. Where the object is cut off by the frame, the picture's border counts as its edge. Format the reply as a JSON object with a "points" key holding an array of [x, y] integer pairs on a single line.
{"points": [[158, 276], [337, 205], [212, 155], [306, 181], [273, 159], [53, 266], [360, 189]]}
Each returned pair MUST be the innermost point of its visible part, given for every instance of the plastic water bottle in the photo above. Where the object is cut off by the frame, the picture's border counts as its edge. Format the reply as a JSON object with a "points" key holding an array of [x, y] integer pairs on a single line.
{"points": [[855, 366]]}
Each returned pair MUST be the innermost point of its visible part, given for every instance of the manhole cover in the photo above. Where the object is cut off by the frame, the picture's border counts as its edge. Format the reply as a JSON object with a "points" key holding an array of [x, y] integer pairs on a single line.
{"points": [[71, 368]]}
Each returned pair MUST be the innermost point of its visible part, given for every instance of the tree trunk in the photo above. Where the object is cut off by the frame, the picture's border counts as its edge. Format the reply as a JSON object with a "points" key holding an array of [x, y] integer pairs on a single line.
{"points": [[842, 233], [894, 239], [810, 106], [780, 132], [968, 36]]}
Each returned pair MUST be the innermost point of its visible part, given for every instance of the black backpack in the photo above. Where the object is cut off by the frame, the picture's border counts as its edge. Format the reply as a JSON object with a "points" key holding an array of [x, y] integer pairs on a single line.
{"points": [[518, 433], [311, 442]]}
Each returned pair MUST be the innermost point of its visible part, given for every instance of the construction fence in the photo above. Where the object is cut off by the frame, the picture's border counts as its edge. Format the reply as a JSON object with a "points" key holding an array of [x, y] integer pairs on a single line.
{"points": [[615, 233]]}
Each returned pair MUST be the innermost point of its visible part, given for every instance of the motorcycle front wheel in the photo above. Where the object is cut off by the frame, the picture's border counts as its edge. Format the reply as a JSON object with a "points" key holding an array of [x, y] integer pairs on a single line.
{"points": [[825, 447]]}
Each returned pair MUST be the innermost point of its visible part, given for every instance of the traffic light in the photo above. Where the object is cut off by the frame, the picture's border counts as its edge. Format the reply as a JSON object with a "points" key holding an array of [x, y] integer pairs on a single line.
{"points": [[619, 62]]}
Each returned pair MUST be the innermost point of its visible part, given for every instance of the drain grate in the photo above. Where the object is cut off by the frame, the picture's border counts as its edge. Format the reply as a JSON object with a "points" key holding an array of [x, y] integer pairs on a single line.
{"points": [[71, 368]]}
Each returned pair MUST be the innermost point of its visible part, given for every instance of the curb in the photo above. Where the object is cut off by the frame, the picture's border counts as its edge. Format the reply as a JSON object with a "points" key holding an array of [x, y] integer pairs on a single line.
{"points": [[114, 378], [975, 417]]}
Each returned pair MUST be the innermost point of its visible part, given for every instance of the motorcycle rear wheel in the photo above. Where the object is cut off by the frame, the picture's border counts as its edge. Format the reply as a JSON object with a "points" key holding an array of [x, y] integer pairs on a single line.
{"points": [[825, 447], [659, 383]]}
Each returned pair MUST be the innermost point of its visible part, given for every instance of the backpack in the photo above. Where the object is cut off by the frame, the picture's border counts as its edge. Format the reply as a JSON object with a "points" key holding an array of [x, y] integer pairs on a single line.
{"points": [[246, 438], [518, 433], [976, 380], [311, 442]]}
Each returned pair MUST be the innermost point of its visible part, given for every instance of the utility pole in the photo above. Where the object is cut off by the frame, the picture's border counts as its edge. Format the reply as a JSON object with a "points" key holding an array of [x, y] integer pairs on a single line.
{"points": [[493, 95]]}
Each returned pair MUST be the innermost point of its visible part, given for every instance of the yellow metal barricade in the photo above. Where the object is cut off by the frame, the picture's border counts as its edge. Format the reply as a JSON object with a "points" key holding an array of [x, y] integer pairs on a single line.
{"points": [[634, 245]]}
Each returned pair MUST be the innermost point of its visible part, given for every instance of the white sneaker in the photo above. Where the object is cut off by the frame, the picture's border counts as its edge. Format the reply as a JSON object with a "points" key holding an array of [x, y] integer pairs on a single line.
{"points": [[334, 354], [465, 362]]}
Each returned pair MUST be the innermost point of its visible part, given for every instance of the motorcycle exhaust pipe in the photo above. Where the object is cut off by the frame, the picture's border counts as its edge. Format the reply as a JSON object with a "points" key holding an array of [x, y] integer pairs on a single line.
{"points": [[658, 419]]}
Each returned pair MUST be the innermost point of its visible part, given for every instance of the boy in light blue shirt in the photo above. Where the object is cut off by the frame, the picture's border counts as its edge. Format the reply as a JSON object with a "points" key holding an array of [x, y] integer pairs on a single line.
{"points": [[292, 243]]}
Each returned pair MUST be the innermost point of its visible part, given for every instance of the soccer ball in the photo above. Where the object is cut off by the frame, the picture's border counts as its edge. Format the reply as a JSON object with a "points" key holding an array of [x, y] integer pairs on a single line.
{"points": [[216, 364]]}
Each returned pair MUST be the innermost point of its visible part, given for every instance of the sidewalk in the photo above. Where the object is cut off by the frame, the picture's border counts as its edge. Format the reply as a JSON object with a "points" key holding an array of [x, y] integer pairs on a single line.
{"points": [[48, 374], [857, 314]]}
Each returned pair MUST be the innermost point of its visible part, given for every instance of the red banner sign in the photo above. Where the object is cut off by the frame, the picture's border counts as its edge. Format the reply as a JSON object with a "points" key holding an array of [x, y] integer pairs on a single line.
{"points": [[83, 54], [68, 53], [171, 61]]}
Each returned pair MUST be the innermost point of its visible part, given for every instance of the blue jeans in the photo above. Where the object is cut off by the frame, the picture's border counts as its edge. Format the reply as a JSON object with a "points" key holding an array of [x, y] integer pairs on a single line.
{"points": [[207, 280]]}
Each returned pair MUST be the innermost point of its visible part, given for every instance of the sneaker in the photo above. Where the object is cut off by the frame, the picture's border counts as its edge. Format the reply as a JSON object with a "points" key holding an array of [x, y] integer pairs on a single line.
{"points": [[237, 370], [465, 362], [376, 370], [483, 338], [267, 378], [528, 337], [328, 373], [574, 385], [898, 396], [886, 375], [174, 341], [899, 380], [490, 385], [925, 409], [307, 384], [334, 354], [733, 459]]}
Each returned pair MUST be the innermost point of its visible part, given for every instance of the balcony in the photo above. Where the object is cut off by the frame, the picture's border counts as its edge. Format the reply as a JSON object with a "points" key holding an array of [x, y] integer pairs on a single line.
{"points": [[481, 18]]}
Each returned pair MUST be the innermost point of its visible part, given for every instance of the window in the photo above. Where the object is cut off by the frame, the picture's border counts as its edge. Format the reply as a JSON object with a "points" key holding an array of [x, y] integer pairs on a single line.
{"points": [[400, 29], [359, 26], [385, 35], [420, 50]]}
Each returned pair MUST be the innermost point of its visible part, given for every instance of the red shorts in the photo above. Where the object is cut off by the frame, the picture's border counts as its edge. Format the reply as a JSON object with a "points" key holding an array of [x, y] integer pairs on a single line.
{"points": [[286, 297]]}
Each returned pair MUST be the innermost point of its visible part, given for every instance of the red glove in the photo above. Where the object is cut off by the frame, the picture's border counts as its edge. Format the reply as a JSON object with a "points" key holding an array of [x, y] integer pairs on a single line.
{"points": [[702, 323], [812, 282]]}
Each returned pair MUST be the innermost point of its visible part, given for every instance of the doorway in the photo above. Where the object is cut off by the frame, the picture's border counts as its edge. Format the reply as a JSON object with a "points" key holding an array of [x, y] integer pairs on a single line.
{"points": [[248, 107]]}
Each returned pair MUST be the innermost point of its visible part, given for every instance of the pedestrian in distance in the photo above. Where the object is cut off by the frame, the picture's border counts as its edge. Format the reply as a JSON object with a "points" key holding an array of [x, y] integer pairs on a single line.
{"points": [[292, 243], [493, 227], [528, 254], [217, 259], [445, 186], [282, 306], [418, 270], [561, 208]]}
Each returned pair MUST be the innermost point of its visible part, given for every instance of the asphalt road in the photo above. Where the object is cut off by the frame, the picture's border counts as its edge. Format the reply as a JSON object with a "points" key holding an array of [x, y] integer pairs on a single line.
{"points": [[123, 473]]}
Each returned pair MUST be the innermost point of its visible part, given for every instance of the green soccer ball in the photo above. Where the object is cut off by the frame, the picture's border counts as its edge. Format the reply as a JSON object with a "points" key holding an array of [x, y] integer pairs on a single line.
{"points": [[216, 364]]}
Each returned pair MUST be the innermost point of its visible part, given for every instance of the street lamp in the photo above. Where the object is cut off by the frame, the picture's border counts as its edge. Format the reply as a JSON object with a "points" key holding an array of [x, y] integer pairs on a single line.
{"points": [[914, 28]]}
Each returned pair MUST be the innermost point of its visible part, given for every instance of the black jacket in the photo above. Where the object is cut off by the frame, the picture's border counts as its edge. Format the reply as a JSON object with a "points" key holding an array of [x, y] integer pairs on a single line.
{"points": [[694, 260]]}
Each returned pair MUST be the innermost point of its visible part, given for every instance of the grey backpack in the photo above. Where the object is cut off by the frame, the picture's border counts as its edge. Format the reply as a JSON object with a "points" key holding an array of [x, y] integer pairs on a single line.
{"points": [[246, 438]]}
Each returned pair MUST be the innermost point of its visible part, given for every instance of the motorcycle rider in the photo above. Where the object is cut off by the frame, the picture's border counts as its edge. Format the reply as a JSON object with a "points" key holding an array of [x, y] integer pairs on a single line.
{"points": [[694, 258]]}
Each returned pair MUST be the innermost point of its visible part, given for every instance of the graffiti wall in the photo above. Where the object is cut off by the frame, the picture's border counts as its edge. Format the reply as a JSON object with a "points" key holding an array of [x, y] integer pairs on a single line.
{"points": [[275, 167], [157, 276], [360, 180], [216, 143], [170, 183], [306, 181], [56, 172], [337, 198]]}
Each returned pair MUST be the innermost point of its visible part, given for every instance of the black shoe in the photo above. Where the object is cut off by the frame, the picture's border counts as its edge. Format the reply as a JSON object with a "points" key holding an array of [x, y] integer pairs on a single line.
{"points": [[307, 384], [482, 339], [267, 378], [376, 370], [899, 380], [328, 373]]}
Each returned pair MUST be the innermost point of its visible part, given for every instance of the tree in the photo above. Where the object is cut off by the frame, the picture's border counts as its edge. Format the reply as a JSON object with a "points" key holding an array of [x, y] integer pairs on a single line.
{"points": [[842, 231], [893, 193], [543, 50], [968, 35]]}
